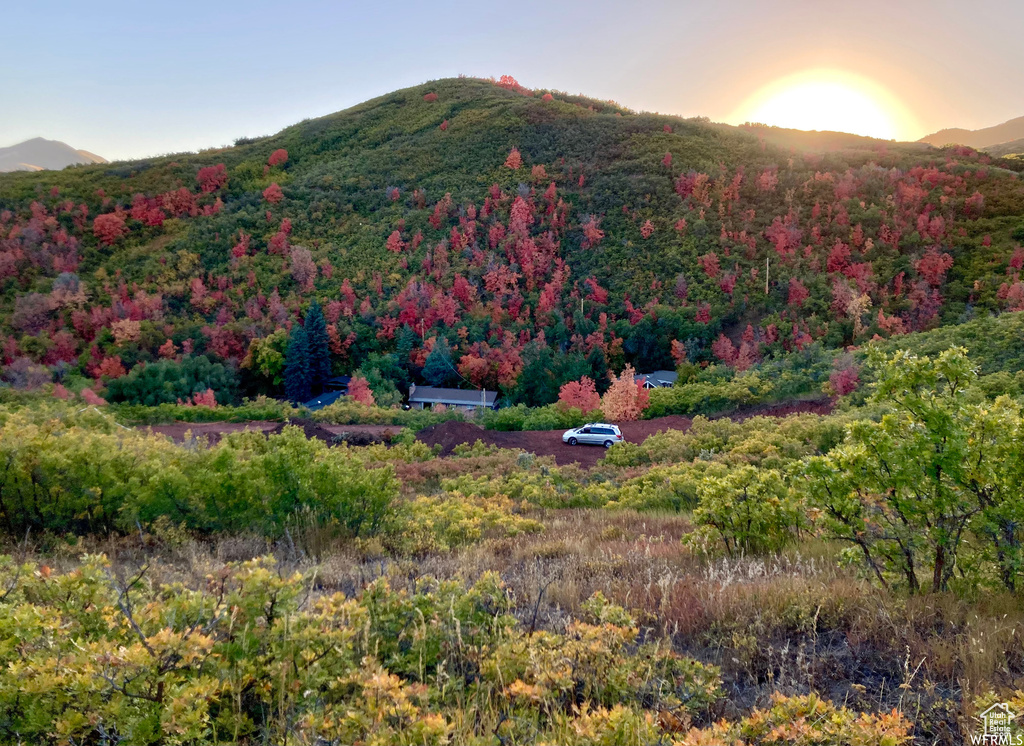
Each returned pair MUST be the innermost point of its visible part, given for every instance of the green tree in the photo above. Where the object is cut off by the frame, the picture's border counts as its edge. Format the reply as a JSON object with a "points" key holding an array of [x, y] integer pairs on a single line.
{"points": [[168, 381], [439, 370], [941, 467], [296, 367], [319, 353], [748, 509], [265, 358]]}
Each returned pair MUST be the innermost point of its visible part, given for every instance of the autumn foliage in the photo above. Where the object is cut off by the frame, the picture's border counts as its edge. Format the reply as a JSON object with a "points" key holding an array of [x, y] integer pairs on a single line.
{"points": [[359, 391], [625, 399], [581, 394]]}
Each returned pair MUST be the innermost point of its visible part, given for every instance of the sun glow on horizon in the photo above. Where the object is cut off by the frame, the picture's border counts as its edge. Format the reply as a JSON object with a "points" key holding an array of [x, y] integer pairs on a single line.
{"points": [[829, 100]]}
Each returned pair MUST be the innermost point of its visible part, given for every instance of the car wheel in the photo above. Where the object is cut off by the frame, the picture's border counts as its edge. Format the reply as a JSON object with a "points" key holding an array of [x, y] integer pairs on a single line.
{"points": [[608, 444], [573, 441]]}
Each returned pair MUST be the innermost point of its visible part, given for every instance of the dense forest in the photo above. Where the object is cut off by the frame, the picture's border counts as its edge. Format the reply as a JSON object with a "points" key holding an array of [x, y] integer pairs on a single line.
{"points": [[463, 231]]}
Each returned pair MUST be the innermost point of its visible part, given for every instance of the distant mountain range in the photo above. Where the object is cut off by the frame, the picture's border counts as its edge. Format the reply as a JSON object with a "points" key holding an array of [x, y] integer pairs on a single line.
{"points": [[38, 154], [1001, 139]]}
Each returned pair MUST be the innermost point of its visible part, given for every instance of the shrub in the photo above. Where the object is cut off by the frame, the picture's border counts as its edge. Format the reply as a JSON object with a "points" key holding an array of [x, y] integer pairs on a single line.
{"points": [[64, 476], [171, 381], [262, 658], [806, 719]]}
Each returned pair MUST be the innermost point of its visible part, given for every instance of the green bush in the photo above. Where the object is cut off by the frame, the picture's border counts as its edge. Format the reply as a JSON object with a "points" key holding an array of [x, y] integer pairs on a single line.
{"points": [[173, 381], [347, 412], [70, 475], [260, 408]]}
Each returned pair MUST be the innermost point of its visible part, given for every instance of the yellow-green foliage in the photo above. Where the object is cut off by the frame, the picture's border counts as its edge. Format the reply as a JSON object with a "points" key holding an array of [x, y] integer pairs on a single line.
{"points": [[254, 656], [442, 522], [763, 441], [805, 720], [84, 473]]}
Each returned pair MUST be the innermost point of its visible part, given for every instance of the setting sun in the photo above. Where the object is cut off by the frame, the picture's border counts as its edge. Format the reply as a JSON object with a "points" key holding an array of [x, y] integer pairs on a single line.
{"points": [[828, 100]]}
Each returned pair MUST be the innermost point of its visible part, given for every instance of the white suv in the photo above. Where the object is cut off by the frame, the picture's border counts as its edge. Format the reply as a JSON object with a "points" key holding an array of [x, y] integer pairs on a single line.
{"points": [[593, 433]]}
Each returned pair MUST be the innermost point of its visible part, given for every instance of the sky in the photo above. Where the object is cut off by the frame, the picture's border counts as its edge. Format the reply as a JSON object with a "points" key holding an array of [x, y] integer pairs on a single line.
{"points": [[131, 79]]}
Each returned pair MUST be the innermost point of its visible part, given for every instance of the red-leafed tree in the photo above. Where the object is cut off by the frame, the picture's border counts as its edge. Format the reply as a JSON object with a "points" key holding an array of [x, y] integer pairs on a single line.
{"points": [[647, 230], [838, 258], [932, 267], [581, 394], [724, 350], [395, 243], [844, 381], [109, 228], [168, 350], [444, 126], [547, 97], [359, 391], [667, 160], [597, 293], [709, 263], [592, 233], [212, 178], [273, 194], [430, 97], [109, 367], [797, 293], [241, 248], [91, 398], [278, 157]]}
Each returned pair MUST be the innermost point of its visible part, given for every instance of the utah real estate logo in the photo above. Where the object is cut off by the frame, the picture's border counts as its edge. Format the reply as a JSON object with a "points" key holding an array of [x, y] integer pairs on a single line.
{"points": [[997, 730]]}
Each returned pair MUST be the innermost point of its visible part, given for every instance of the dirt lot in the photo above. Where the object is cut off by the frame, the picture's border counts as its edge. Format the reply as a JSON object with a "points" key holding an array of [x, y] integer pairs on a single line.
{"points": [[452, 433], [542, 442]]}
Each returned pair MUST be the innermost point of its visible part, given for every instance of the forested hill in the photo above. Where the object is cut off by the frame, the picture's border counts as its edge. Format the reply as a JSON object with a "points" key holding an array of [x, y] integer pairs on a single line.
{"points": [[500, 228]]}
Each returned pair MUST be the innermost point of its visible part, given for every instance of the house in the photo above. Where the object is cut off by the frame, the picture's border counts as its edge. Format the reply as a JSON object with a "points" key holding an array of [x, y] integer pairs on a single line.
{"points": [[334, 389], [421, 397], [324, 400], [337, 383], [659, 379]]}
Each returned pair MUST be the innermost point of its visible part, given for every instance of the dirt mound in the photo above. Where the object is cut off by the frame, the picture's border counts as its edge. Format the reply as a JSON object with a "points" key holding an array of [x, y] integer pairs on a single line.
{"points": [[780, 409], [309, 428], [452, 433]]}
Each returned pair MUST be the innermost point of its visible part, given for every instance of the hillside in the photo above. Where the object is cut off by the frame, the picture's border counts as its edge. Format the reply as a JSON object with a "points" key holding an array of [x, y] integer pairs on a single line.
{"points": [[982, 139], [38, 154], [511, 230], [1012, 148]]}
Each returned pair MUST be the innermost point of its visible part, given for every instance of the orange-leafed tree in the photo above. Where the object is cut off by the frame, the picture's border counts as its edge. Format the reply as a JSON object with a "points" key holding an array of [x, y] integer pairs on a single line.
{"points": [[359, 391], [581, 394], [626, 399], [514, 160]]}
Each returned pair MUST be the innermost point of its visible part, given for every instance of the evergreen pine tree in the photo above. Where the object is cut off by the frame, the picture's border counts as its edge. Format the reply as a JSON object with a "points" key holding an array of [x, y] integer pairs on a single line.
{"points": [[296, 367], [404, 345], [439, 369], [319, 353]]}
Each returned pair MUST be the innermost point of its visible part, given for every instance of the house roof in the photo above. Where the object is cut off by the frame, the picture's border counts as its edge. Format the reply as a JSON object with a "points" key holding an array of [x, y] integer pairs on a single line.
{"points": [[325, 399], [456, 397], [663, 377], [338, 382]]}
